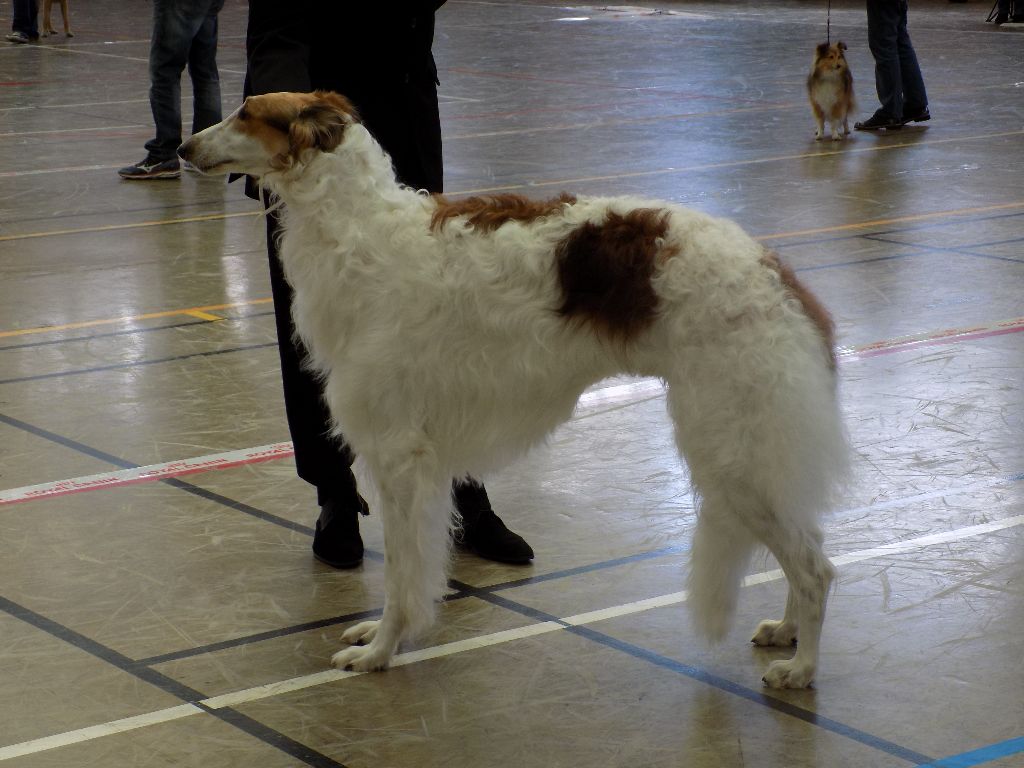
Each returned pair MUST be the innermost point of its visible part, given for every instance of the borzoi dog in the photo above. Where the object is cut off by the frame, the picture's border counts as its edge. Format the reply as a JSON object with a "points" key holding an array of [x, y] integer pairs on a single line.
{"points": [[453, 336]]}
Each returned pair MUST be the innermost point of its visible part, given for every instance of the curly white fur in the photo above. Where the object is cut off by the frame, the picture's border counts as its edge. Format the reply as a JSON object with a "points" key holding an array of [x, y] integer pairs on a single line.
{"points": [[442, 354]]}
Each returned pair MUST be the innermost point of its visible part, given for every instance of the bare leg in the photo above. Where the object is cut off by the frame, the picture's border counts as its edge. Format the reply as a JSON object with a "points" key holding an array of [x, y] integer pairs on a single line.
{"points": [[66, 15], [47, 26]]}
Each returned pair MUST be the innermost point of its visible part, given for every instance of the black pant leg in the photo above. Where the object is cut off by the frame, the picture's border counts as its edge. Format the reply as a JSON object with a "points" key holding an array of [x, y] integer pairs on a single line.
{"points": [[320, 459]]}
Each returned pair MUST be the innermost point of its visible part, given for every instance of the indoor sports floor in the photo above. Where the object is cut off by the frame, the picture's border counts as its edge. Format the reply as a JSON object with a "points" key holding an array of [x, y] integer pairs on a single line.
{"points": [[159, 604]]}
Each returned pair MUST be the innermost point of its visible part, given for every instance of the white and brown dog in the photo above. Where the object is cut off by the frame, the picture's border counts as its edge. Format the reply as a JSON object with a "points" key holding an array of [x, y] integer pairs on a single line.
{"points": [[830, 89], [453, 336]]}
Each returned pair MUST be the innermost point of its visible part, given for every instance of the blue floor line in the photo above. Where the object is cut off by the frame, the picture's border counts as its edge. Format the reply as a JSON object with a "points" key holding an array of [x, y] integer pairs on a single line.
{"points": [[980, 756], [761, 698]]}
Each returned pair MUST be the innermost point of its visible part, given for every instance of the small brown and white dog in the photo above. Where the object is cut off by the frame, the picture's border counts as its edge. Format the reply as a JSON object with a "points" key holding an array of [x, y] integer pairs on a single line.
{"points": [[830, 89], [453, 336], [48, 24]]}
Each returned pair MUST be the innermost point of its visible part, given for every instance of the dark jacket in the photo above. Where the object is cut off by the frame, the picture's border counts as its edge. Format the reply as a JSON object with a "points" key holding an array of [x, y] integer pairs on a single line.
{"points": [[376, 54]]}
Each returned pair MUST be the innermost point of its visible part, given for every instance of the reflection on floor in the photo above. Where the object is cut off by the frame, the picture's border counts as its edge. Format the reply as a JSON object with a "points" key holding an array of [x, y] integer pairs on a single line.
{"points": [[158, 601]]}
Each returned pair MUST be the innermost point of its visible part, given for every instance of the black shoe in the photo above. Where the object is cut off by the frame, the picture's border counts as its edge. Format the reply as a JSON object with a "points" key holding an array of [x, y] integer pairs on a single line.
{"points": [[878, 121], [336, 541], [916, 116], [152, 168], [483, 532]]}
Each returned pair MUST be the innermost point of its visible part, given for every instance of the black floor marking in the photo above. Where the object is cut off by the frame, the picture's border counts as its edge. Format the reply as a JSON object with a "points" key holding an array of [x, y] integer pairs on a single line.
{"points": [[721, 683], [254, 728]]}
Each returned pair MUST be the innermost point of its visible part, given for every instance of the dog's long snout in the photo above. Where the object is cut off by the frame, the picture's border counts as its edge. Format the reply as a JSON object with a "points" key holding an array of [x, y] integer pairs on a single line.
{"points": [[187, 150]]}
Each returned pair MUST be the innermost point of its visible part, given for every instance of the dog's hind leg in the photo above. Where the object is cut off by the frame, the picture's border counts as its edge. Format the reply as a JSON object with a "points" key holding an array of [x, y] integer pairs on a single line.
{"points": [[810, 575], [764, 461], [732, 518], [66, 16], [416, 513], [781, 633]]}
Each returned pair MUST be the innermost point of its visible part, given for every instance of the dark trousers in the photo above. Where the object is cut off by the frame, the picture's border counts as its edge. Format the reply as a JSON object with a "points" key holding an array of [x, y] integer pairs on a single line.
{"points": [[321, 459], [184, 34], [898, 79], [26, 17]]}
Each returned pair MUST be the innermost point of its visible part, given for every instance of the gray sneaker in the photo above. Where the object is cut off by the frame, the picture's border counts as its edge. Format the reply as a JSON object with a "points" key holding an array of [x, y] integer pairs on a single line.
{"points": [[151, 168], [20, 37]]}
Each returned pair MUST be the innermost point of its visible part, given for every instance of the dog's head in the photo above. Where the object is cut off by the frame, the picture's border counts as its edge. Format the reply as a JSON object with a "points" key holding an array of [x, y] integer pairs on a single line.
{"points": [[271, 132], [830, 57]]}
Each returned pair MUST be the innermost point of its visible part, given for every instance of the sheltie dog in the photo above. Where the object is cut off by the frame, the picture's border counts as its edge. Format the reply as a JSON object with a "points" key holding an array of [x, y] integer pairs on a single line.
{"points": [[830, 89]]}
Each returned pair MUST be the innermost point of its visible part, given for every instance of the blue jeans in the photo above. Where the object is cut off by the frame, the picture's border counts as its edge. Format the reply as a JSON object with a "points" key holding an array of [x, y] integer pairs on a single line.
{"points": [[26, 14], [898, 78], [184, 33]]}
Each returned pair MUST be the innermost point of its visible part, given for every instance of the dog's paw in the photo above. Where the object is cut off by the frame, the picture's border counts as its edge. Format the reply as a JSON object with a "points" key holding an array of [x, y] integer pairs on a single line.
{"points": [[774, 633], [361, 658], [361, 634], [788, 674]]}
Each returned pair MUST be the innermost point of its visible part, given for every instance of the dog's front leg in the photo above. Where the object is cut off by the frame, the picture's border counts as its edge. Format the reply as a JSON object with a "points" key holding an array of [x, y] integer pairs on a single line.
{"points": [[416, 513]]}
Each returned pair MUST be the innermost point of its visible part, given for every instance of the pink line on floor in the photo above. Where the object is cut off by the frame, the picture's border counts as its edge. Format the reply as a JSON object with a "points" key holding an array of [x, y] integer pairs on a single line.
{"points": [[259, 454]]}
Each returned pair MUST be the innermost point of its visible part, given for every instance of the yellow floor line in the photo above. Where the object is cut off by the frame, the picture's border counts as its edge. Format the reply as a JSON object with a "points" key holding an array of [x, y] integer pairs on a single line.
{"points": [[894, 220], [136, 225], [202, 315], [200, 312], [562, 182], [204, 312]]}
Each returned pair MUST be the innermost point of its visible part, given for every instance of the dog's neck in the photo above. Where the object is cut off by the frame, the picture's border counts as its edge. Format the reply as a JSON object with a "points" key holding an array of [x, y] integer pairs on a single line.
{"points": [[355, 182]]}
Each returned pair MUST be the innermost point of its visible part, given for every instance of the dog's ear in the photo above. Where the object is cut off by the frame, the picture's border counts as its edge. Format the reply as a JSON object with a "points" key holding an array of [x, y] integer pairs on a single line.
{"points": [[821, 50], [321, 124], [842, 45]]}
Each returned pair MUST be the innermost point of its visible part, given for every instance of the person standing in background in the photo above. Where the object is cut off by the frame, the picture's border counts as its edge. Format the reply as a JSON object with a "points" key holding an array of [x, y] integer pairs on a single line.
{"points": [[184, 34], [898, 79], [380, 57], [25, 24]]}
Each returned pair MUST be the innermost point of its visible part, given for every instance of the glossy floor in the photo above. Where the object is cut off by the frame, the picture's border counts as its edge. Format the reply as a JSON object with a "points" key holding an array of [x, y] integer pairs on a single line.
{"points": [[173, 615]]}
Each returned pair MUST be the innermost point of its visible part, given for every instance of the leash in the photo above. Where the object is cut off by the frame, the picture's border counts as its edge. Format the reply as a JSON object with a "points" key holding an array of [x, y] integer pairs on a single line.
{"points": [[828, 24]]}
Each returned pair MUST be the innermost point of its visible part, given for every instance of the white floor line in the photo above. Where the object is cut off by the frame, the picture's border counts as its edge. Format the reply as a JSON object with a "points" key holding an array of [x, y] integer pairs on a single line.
{"points": [[461, 646], [98, 731]]}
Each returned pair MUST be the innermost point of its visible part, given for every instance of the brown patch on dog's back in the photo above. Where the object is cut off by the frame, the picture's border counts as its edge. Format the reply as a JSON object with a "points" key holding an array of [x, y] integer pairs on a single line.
{"points": [[605, 271], [813, 308], [489, 212]]}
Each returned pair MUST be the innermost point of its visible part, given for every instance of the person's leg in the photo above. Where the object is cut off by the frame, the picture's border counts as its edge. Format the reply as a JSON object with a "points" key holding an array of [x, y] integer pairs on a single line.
{"points": [[883, 22], [915, 98], [168, 54], [481, 531], [320, 459], [202, 68], [26, 19]]}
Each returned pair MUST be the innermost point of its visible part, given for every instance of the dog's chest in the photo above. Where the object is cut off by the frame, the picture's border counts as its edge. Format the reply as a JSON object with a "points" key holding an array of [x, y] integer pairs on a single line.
{"points": [[827, 89]]}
